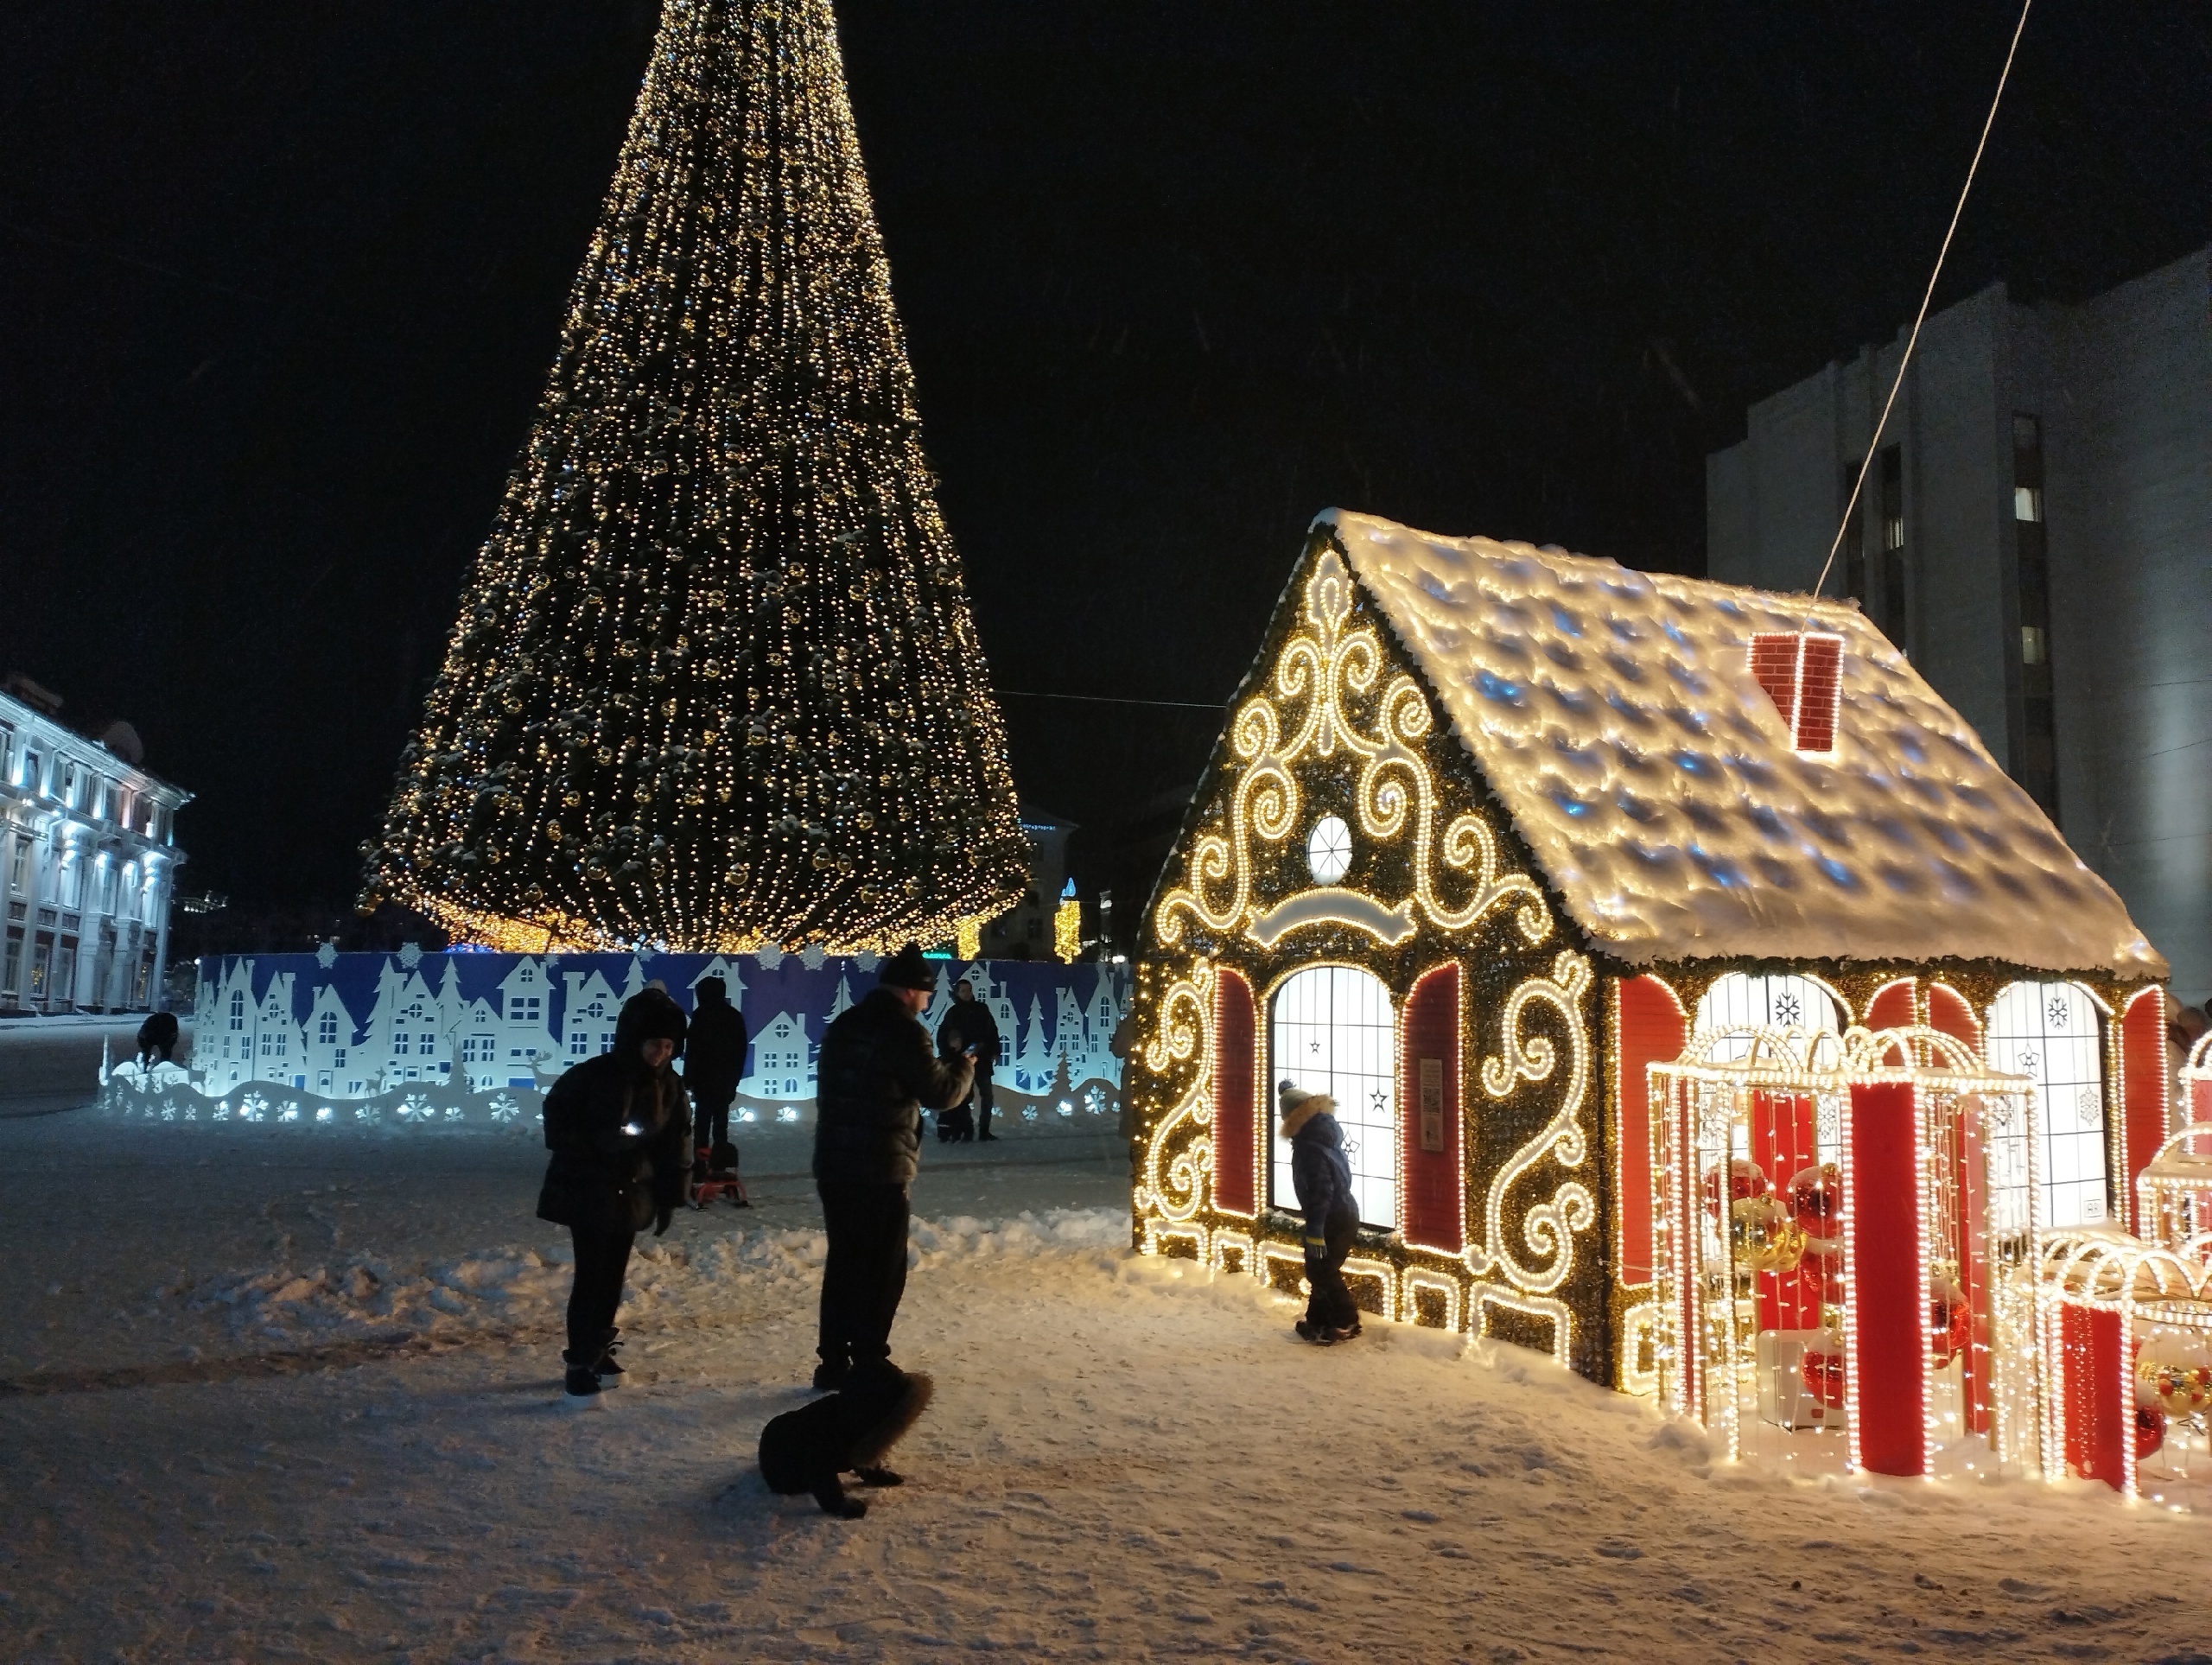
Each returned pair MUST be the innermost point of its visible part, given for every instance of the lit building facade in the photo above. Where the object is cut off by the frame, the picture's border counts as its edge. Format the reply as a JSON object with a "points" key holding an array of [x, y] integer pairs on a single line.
{"points": [[2035, 532], [88, 863]]}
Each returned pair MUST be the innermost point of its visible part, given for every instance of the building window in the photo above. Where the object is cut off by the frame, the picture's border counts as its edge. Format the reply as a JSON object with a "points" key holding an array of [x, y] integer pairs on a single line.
{"points": [[399, 1043], [1330, 1031], [2051, 1034], [238, 1009], [1891, 615], [326, 1029], [19, 866], [2035, 751], [33, 773], [426, 1043], [525, 1008]]}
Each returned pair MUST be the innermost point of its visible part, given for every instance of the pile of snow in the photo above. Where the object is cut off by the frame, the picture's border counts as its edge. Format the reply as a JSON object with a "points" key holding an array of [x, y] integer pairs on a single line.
{"points": [[516, 1290]]}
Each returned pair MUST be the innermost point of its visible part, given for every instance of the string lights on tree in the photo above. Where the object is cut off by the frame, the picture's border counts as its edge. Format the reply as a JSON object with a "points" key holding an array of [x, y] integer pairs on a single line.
{"points": [[714, 684]]}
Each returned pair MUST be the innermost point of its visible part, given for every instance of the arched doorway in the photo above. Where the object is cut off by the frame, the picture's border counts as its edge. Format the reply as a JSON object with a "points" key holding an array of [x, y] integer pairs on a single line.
{"points": [[1331, 1030]]}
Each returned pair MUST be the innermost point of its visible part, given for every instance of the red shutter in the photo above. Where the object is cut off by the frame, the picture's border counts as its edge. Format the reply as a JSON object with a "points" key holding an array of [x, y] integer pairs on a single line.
{"points": [[2142, 1088], [1892, 1007], [1433, 1208], [1236, 1107], [1948, 1010], [1650, 1028]]}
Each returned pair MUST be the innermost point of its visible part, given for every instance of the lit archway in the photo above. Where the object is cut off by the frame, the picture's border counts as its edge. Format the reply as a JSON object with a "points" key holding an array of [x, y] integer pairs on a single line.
{"points": [[1330, 1029]]}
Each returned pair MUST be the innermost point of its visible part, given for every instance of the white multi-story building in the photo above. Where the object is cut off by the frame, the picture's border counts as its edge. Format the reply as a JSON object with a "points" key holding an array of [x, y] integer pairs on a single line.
{"points": [[87, 862]]}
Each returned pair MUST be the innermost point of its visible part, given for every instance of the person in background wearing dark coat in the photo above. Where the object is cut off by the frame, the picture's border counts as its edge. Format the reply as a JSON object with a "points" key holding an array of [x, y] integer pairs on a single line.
{"points": [[969, 1028], [620, 1129], [1322, 1174], [874, 1075], [157, 1034], [714, 1062]]}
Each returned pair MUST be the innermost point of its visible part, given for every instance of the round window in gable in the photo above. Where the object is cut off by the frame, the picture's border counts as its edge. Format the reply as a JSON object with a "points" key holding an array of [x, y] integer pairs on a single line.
{"points": [[1328, 849]]}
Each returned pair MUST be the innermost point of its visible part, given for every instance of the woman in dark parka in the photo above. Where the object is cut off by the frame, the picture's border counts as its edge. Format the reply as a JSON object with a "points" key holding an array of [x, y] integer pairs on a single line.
{"points": [[619, 1128]]}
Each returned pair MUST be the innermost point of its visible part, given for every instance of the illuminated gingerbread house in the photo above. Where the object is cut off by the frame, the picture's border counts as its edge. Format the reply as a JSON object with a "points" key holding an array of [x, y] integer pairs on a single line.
{"points": [[1493, 828]]}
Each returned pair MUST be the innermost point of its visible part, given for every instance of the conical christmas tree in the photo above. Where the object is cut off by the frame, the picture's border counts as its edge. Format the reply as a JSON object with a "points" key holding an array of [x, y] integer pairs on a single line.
{"points": [[715, 683]]}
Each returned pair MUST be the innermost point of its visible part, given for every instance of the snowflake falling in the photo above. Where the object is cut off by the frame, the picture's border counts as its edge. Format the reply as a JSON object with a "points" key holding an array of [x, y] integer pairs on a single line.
{"points": [[1789, 1011], [253, 1108], [2058, 1012], [368, 1113], [2091, 1108], [504, 1109], [417, 1108]]}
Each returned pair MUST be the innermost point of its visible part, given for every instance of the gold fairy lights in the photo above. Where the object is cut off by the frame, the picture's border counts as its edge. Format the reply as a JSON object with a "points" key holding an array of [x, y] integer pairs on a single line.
{"points": [[1330, 708], [714, 684]]}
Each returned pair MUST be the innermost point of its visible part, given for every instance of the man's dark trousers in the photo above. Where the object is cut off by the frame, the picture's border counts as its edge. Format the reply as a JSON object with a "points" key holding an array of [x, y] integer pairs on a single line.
{"points": [[866, 1273], [711, 1122], [984, 1105]]}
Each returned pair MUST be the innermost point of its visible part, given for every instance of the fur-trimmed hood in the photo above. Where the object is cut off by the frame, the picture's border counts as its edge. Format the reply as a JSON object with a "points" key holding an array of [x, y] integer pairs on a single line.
{"points": [[1300, 1107]]}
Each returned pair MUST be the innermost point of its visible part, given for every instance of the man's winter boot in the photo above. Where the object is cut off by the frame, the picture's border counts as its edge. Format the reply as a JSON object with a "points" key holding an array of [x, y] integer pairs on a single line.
{"points": [[582, 1380], [608, 1369], [830, 1375]]}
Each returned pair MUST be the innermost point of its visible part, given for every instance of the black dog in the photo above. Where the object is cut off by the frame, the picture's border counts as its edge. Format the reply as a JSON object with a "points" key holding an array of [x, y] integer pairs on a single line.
{"points": [[849, 1432]]}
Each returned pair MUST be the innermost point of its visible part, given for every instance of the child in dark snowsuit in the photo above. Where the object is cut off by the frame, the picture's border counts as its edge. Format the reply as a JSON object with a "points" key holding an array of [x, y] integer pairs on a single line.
{"points": [[1320, 1171]]}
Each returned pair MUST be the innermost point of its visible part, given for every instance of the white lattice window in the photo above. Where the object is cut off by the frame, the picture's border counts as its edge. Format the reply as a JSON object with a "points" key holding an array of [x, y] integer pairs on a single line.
{"points": [[2049, 1032], [1741, 1002], [1330, 1031]]}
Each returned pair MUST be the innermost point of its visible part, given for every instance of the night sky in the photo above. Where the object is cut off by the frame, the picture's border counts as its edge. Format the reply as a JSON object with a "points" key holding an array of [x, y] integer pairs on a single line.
{"points": [[279, 286]]}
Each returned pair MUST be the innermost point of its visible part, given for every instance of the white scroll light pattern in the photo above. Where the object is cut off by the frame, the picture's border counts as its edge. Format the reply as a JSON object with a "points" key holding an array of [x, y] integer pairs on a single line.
{"points": [[1396, 795]]}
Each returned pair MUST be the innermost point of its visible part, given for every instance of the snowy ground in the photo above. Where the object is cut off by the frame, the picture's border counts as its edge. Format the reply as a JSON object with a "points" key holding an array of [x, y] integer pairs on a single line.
{"points": [[269, 1397]]}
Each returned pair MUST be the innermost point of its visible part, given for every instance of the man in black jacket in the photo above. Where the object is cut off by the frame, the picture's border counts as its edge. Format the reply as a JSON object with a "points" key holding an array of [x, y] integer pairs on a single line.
{"points": [[874, 1075], [714, 1062], [968, 1025]]}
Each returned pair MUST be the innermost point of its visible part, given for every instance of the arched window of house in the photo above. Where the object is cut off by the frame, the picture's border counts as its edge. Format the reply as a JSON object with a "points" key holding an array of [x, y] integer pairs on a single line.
{"points": [[2049, 1032], [1741, 1002], [1330, 1031]]}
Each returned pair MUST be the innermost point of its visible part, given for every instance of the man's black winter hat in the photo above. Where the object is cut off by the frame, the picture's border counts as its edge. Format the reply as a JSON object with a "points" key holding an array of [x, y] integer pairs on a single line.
{"points": [[649, 1014], [907, 970]]}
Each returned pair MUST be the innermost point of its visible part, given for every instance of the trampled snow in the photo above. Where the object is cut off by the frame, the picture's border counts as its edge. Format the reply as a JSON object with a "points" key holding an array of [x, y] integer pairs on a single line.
{"points": [[324, 1423], [1616, 716]]}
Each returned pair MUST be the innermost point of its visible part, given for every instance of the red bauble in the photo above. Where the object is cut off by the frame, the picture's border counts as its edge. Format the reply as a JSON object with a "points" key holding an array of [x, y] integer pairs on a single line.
{"points": [[1817, 1197], [1745, 1179], [1950, 1322], [1822, 1373], [2150, 1430]]}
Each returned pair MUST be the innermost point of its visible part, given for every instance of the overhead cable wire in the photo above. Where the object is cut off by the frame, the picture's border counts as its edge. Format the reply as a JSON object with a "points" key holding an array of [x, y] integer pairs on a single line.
{"points": [[1859, 484]]}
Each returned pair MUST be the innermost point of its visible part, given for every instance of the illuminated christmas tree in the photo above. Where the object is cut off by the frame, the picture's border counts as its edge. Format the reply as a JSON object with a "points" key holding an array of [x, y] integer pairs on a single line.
{"points": [[715, 683]]}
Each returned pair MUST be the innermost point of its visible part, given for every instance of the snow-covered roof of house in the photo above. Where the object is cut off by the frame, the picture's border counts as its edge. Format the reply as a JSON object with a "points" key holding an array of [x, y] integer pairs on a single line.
{"points": [[1616, 718]]}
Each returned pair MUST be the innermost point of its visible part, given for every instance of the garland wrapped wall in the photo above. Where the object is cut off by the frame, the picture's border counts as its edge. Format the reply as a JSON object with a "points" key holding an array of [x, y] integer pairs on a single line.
{"points": [[1419, 871]]}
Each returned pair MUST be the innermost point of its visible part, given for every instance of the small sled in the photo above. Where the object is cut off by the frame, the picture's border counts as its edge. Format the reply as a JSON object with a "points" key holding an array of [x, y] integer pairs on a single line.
{"points": [[713, 1188]]}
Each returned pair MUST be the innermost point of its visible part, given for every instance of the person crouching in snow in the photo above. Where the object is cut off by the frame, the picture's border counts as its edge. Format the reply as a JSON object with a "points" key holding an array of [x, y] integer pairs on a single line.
{"points": [[1322, 1173], [619, 1128]]}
